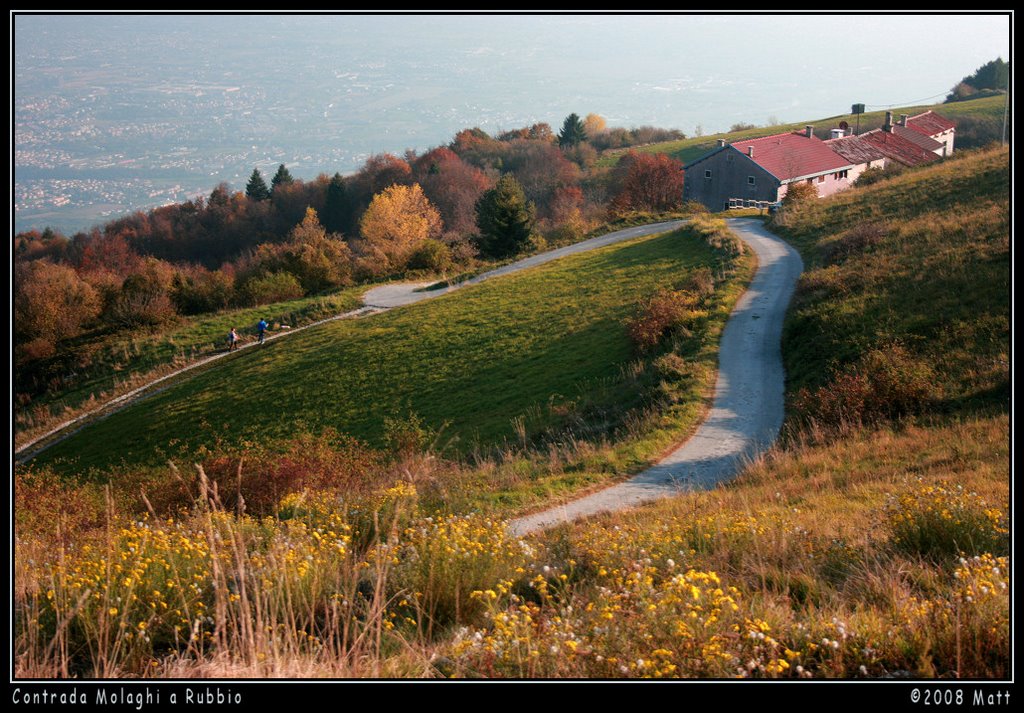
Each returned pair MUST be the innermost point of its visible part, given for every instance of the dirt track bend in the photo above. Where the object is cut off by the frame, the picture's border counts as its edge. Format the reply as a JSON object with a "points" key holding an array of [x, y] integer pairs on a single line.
{"points": [[379, 299], [747, 411]]}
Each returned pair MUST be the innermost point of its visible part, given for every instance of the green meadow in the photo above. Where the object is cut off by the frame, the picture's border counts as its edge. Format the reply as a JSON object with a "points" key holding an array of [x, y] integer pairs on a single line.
{"points": [[476, 367]]}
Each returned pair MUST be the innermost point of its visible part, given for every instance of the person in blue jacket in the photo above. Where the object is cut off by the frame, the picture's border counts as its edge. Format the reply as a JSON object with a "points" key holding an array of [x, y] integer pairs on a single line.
{"points": [[261, 329]]}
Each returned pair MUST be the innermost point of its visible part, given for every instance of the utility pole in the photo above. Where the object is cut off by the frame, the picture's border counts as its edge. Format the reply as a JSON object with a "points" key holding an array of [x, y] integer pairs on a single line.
{"points": [[1006, 106]]}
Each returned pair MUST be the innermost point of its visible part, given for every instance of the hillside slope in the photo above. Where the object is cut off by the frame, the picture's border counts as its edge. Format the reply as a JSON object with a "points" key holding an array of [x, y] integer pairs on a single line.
{"points": [[472, 365]]}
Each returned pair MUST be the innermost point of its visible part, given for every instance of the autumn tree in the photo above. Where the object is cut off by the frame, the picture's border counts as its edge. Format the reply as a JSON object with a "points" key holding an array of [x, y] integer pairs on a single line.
{"points": [[51, 303], [397, 222], [646, 182], [594, 124], [505, 218], [541, 169], [573, 133], [145, 296], [256, 189], [453, 187], [379, 172]]}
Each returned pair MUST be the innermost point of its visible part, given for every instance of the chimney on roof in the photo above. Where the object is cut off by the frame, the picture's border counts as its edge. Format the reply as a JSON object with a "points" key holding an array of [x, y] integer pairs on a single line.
{"points": [[750, 151], [809, 131], [903, 119], [887, 126], [837, 133], [721, 143]]}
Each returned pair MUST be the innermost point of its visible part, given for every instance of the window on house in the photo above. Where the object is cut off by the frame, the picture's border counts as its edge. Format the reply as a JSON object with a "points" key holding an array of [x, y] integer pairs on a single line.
{"points": [[707, 173], [821, 178], [750, 180], [841, 175]]}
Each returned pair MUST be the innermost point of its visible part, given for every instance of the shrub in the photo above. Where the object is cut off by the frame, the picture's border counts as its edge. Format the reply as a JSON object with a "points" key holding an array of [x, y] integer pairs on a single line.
{"points": [[274, 287], [799, 193], [327, 462], [874, 175], [694, 208], [431, 255], [663, 311], [885, 383]]}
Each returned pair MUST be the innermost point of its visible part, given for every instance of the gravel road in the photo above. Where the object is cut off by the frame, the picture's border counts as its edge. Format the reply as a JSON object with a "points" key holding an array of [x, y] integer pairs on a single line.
{"points": [[748, 404]]}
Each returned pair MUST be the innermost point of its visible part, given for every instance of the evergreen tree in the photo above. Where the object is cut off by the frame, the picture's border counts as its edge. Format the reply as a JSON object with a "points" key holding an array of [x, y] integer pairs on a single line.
{"points": [[280, 178], [573, 133], [257, 189], [335, 205], [991, 75], [505, 218]]}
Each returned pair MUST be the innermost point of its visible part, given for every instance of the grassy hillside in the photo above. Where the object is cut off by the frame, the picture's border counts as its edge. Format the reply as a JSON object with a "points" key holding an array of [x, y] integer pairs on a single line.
{"points": [[689, 149], [503, 360], [104, 365], [907, 282]]}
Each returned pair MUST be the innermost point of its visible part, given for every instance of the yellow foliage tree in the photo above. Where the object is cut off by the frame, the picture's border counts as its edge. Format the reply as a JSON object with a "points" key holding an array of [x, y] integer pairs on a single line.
{"points": [[595, 124], [398, 221]]}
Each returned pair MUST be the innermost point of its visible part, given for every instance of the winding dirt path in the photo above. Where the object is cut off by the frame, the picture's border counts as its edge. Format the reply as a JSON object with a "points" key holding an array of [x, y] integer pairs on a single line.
{"points": [[747, 410], [378, 299]]}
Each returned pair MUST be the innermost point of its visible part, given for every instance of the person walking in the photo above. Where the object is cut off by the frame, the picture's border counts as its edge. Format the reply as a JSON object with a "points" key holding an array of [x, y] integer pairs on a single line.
{"points": [[232, 340], [261, 329]]}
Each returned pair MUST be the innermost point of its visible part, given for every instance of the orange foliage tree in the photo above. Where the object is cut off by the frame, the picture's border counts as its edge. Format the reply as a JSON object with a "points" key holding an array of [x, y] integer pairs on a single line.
{"points": [[51, 302], [647, 182]]}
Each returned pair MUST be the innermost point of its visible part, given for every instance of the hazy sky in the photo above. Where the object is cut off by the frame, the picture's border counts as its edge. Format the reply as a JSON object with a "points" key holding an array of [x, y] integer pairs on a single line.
{"points": [[674, 70], [192, 100]]}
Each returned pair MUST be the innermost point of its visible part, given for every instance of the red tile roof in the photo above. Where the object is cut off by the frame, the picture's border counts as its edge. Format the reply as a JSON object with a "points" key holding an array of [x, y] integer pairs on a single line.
{"points": [[792, 155], [855, 149], [897, 146], [923, 140], [929, 123]]}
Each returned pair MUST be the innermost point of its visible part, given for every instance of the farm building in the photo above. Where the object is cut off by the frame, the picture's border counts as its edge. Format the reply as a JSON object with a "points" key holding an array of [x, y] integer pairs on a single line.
{"points": [[914, 140], [762, 169]]}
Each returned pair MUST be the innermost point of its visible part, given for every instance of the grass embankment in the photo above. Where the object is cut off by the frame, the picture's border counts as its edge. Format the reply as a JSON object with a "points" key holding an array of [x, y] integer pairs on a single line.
{"points": [[505, 361], [106, 365], [906, 283], [689, 149]]}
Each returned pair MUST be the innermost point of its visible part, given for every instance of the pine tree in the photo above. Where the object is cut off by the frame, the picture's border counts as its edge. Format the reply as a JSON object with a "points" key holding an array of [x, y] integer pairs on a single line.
{"points": [[572, 133], [335, 205], [257, 189], [280, 178], [505, 218]]}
